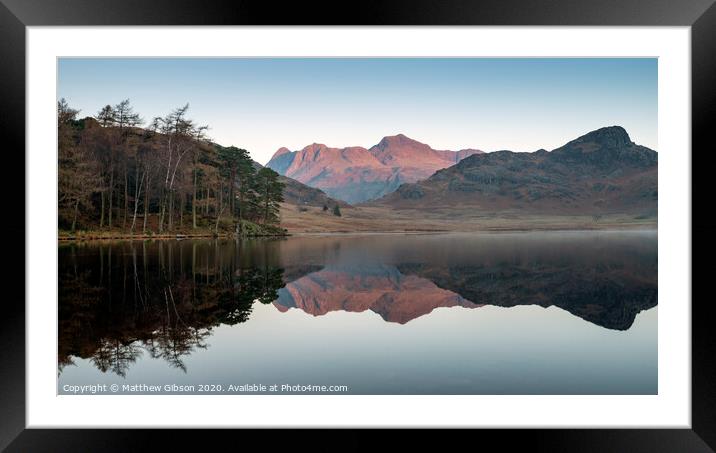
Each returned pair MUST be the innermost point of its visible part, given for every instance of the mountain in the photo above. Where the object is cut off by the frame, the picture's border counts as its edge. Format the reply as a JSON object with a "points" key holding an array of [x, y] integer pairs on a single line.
{"points": [[356, 174], [299, 194], [602, 172]]}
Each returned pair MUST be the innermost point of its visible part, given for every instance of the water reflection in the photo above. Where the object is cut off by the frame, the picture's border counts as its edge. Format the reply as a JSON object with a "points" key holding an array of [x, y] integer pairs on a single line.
{"points": [[119, 300], [164, 297], [380, 288]]}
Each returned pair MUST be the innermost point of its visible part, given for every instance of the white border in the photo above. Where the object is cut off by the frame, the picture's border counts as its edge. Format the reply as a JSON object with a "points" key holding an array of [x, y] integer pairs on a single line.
{"points": [[670, 408]]}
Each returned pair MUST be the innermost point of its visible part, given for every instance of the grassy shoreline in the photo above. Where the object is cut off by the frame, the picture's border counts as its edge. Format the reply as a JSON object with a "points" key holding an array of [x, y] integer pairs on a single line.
{"points": [[113, 235], [249, 230], [106, 236], [515, 229]]}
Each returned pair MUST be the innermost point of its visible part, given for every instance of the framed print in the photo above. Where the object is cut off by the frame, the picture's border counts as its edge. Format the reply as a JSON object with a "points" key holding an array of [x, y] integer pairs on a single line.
{"points": [[415, 216]]}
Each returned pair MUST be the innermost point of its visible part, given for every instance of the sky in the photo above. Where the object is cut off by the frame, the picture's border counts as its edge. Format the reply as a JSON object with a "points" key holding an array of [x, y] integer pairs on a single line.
{"points": [[262, 104]]}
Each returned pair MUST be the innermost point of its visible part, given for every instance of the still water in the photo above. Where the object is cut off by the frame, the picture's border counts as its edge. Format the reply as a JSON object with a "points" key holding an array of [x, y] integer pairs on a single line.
{"points": [[493, 313]]}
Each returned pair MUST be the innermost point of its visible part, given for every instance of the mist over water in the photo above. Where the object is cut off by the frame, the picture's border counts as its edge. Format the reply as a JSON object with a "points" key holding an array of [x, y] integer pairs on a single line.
{"points": [[493, 313]]}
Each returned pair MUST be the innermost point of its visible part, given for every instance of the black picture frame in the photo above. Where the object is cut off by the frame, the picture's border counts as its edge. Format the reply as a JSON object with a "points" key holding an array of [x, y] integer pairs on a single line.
{"points": [[16, 15]]}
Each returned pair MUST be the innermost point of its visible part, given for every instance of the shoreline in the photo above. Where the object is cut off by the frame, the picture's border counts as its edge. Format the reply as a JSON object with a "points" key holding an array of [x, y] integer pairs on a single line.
{"points": [[161, 237], [515, 229], [486, 229]]}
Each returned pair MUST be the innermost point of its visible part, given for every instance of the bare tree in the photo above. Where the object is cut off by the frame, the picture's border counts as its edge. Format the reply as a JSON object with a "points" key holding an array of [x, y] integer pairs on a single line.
{"points": [[181, 135]]}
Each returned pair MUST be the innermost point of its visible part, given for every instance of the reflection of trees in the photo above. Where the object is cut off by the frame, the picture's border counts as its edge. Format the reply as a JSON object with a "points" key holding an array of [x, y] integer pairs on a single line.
{"points": [[117, 301], [64, 362], [171, 344], [116, 356]]}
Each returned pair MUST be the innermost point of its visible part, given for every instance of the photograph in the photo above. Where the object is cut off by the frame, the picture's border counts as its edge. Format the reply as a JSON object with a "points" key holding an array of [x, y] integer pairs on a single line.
{"points": [[357, 225], [470, 217]]}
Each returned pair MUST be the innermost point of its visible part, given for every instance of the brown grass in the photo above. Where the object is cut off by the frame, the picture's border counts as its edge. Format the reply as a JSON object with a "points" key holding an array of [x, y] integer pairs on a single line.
{"points": [[384, 219]]}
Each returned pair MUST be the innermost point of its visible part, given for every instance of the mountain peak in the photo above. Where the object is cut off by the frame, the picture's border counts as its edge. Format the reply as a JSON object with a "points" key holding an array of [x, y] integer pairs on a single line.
{"points": [[397, 140], [280, 152], [315, 146], [611, 137]]}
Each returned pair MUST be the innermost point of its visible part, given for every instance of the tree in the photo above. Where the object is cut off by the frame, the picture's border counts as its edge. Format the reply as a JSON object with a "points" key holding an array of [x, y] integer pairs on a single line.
{"points": [[103, 149], [77, 174], [270, 192], [124, 120], [245, 177], [65, 114], [118, 120], [106, 116], [181, 135], [239, 173], [150, 166], [143, 161], [336, 211], [124, 116]]}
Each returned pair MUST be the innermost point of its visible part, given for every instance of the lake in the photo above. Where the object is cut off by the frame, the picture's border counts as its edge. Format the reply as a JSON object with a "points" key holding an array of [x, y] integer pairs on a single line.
{"points": [[479, 313]]}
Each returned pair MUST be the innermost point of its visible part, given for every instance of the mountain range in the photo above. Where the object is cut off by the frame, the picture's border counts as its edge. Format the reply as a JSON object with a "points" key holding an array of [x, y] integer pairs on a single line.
{"points": [[355, 174], [602, 172]]}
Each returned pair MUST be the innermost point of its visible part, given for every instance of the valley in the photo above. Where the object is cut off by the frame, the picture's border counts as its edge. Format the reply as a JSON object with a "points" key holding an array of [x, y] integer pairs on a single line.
{"points": [[382, 219]]}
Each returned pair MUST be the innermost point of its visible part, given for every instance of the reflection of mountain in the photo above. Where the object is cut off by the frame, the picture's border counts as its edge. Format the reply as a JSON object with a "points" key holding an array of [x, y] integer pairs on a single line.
{"points": [[608, 294], [610, 297], [380, 288]]}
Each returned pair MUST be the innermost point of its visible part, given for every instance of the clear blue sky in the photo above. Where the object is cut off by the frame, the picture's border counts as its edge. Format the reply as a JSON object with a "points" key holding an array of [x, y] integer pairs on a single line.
{"points": [[521, 104]]}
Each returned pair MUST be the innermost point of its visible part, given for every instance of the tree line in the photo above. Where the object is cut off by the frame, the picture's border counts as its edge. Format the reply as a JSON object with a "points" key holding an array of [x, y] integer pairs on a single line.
{"points": [[166, 177]]}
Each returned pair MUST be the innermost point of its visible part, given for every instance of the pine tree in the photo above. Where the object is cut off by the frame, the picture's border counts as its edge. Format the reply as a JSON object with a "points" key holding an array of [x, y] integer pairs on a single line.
{"points": [[270, 193]]}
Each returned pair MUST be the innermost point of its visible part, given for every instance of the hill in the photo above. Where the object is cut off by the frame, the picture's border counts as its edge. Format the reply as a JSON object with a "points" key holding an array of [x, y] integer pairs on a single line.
{"points": [[602, 172], [299, 194]]}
